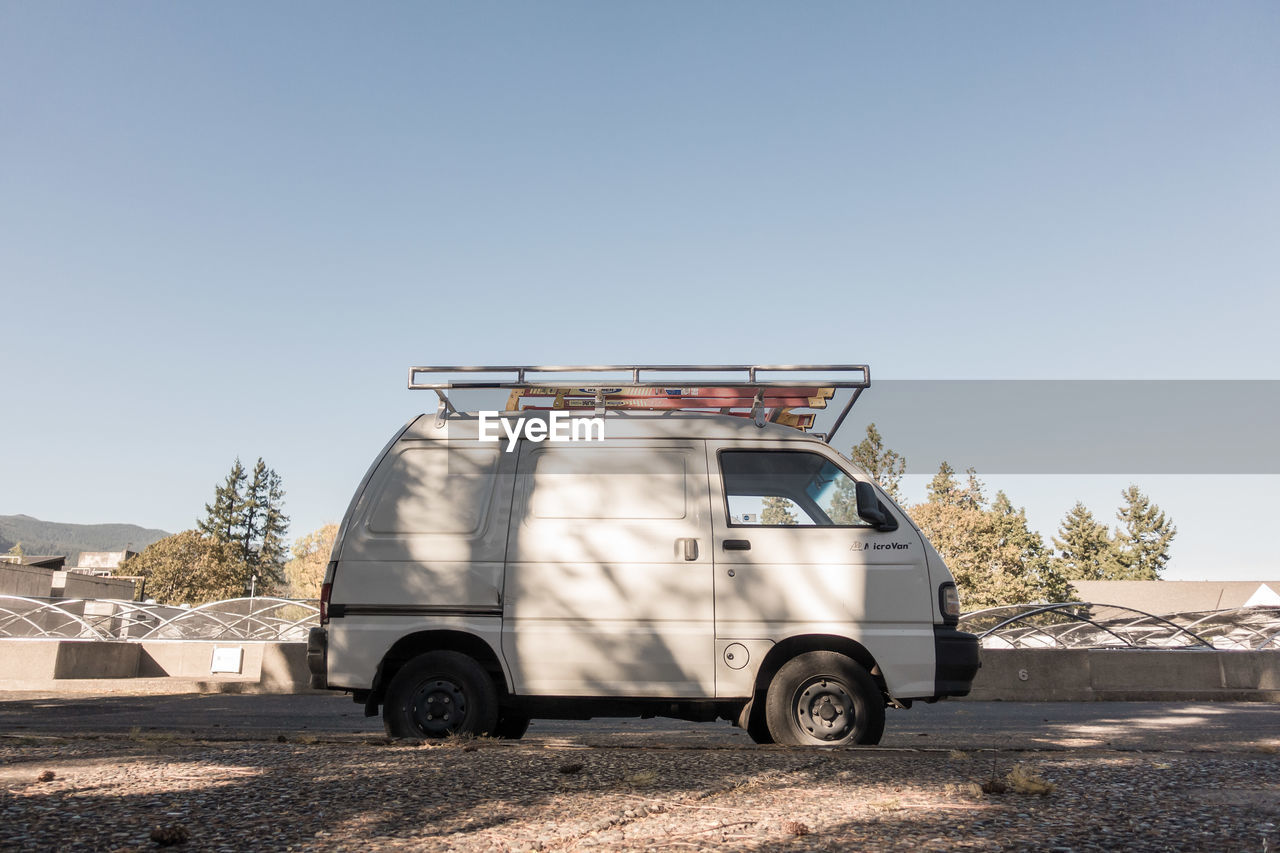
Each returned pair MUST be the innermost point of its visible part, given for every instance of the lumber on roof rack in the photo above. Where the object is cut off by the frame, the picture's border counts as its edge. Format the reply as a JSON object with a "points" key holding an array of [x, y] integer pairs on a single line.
{"points": [[723, 387]]}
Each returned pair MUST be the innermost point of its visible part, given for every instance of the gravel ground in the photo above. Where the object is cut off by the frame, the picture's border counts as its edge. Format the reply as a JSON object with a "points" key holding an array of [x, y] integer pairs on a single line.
{"points": [[346, 791]]}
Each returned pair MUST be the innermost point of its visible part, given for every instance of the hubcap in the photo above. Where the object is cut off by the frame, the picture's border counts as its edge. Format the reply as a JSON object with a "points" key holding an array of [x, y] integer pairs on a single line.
{"points": [[439, 707], [824, 709]]}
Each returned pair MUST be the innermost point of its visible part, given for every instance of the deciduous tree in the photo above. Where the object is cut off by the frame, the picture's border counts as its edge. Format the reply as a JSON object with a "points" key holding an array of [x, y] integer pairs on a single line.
{"points": [[189, 568], [305, 572], [993, 554]]}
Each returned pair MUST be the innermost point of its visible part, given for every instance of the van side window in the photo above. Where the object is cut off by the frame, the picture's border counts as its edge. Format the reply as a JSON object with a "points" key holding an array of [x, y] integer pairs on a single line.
{"points": [[435, 490], [772, 488]]}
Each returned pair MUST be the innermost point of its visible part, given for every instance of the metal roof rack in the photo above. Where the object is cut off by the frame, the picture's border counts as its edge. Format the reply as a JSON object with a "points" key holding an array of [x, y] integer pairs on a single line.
{"points": [[733, 389]]}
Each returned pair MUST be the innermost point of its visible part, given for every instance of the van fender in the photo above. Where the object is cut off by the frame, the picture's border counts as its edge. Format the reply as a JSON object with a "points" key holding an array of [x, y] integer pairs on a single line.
{"points": [[787, 649], [410, 646]]}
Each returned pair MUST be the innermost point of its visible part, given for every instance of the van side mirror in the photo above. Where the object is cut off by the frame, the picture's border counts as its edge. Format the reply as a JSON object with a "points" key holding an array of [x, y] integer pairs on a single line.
{"points": [[870, 509]]}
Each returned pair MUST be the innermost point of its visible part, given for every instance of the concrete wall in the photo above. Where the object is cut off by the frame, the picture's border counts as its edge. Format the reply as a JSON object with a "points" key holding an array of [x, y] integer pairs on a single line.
{"points": [[27, 581], [33, 664], [1025, 675], [1085, 675], [79, 585]]}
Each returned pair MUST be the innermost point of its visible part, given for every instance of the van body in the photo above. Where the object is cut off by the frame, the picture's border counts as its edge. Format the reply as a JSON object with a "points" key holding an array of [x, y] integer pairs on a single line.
{"points": [[698, 566]]}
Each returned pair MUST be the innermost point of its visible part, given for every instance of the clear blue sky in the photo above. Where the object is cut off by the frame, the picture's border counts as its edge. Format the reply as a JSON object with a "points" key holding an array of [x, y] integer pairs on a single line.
{"points": [[228, 229]]}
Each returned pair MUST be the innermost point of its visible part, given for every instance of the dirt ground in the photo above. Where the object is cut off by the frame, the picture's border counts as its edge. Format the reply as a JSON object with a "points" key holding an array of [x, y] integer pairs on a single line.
{"points": [[557, 792]]}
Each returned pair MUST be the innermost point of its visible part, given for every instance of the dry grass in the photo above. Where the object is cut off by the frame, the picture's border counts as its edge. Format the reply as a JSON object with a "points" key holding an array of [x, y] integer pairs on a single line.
{"points": [[644, 777], [1025, 780], [964, 789]]}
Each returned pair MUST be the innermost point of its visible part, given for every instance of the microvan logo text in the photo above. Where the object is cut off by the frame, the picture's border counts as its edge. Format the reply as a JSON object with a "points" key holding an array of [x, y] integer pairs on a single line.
{"points": [[559, 426]]}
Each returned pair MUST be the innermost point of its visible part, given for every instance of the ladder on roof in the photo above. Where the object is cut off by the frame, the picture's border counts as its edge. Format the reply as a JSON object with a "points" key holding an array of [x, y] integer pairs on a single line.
{"points": [[764, 392]]}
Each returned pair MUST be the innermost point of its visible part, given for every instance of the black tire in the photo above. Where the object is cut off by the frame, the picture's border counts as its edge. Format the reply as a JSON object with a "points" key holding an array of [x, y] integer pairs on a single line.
{"points": [[511, 726], [824, 699], [438, 694]]}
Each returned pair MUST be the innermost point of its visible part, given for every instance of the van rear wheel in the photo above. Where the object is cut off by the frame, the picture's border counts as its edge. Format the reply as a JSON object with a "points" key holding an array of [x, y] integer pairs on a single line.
{"points": [[824, 699], [438, 694]]}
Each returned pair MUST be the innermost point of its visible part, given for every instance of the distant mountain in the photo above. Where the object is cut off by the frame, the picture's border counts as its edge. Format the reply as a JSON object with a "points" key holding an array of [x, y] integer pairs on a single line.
{"points": [[52, 537]]}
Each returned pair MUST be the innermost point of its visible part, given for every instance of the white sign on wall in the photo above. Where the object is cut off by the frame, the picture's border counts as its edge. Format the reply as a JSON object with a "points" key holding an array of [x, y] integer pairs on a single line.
{"points": [[227, 659]]}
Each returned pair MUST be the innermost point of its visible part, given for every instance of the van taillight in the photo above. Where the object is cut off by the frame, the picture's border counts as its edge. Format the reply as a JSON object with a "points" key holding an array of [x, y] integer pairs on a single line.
{"points": [[326, 590]]}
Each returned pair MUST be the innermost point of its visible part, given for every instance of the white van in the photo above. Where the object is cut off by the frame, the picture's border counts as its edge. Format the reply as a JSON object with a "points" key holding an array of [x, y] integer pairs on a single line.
{"points": [[682, 553]]}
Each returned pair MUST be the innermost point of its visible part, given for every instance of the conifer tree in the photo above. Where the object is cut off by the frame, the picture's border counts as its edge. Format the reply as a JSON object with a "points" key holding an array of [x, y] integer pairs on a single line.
{"points": [[224, 518], [273, 550], [943, 488], [250, 519], [1019, 550], [885, 465], [1143, 538], [1084, 546]]}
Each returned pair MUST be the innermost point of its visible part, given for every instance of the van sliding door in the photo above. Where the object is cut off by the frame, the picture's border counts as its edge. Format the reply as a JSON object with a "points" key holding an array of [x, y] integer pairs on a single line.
{"points": [[608, 575]]}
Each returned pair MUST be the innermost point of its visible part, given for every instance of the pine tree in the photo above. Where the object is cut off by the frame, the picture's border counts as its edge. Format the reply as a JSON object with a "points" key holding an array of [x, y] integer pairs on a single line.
{"points": [[1084, 546], [224, 519], [973, 495], [943, 488], [880, 462], [252, 514], [251, 520], [1020, 551], [1143, 539], [273, 550]]}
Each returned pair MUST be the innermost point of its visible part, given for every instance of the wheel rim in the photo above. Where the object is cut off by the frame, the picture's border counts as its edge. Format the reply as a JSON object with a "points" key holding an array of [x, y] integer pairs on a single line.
{"points": [[824, 709], [439, 707]]}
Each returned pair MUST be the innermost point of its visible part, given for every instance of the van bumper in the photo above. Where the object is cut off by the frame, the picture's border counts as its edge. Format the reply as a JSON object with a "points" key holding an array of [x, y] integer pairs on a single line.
{"points": [[956, 661], [317, 654]]}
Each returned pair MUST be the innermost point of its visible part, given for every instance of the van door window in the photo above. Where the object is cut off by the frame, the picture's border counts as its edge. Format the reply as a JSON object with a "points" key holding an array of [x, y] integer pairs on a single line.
{"points": [[772, 488]]}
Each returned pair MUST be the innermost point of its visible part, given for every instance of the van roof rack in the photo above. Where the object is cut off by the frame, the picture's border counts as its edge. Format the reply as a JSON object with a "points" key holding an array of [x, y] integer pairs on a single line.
{"points": [[734, 389]]}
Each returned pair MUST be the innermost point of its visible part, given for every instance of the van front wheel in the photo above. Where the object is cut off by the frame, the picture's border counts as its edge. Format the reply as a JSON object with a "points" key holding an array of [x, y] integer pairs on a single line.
{"points": [[438, 694], [824, 699]]}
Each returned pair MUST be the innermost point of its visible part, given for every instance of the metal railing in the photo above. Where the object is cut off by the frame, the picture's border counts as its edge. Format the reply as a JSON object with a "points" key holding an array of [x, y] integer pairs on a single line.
{"points": [[1082, 625], [1072, 625], [256, 618]]}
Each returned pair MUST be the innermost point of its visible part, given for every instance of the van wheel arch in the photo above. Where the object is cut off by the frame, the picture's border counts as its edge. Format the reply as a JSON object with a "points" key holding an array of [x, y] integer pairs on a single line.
{"points": [[792, 647], [411, 646]]}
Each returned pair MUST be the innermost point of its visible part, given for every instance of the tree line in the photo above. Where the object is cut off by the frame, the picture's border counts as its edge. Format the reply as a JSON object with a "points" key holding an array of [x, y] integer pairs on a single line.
{"points": [[998, 559], [237, 548]]}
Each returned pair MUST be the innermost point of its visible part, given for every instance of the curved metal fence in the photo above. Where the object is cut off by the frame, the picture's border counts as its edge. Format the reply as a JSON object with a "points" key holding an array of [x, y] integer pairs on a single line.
{"points": [[1073, 625], [1081, 625], [257, 618]]}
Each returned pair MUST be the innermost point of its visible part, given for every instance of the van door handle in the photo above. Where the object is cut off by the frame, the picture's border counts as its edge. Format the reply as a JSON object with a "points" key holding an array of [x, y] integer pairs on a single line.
{"points": [[737, 544], [690, 548]]}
